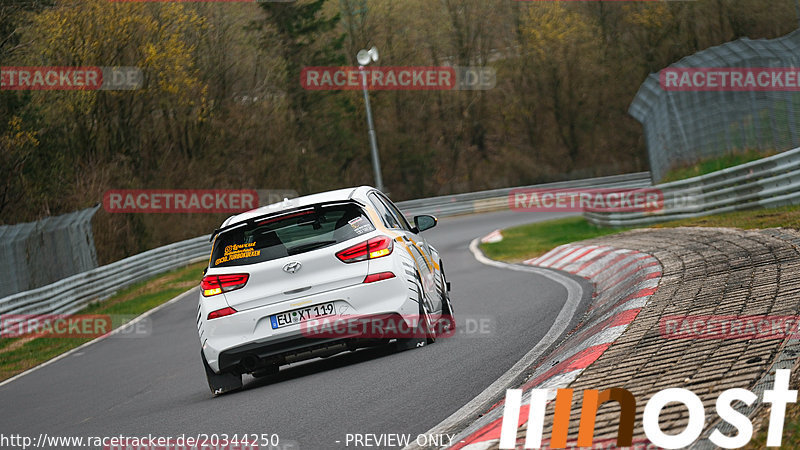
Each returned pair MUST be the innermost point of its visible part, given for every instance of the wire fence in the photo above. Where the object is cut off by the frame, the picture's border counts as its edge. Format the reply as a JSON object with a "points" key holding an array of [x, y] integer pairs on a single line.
{"points": [[683, 127], [35, 254], [71, 294]]}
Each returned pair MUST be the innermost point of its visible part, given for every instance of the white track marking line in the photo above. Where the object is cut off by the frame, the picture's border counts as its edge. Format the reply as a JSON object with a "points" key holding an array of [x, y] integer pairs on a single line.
{"points": [[574, 293], [93, 341]]}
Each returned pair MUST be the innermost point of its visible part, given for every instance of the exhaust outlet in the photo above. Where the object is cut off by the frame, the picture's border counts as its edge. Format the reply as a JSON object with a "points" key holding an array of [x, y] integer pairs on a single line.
{"points": [[250, 362]]}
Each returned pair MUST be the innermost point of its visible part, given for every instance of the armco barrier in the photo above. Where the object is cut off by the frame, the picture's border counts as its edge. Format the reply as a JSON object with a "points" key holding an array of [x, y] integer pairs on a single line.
{"points": [[497, 199], [768, 182], [71, 294]]}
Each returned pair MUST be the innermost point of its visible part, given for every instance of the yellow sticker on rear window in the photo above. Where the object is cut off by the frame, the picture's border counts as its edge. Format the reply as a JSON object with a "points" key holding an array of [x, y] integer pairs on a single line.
{"points": [[238, 251]]}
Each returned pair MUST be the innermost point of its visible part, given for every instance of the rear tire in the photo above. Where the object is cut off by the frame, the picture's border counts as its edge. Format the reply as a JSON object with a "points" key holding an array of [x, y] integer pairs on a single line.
{"points": [[221, 383], [424, 325], [447, 324]]}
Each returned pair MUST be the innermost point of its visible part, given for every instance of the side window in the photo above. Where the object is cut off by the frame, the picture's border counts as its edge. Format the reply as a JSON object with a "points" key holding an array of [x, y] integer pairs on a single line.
{"points": [[387, 216], [393, 208]]}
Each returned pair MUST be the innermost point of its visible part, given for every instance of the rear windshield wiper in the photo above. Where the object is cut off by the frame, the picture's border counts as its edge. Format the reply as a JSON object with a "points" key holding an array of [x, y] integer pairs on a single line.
{"points": [[309, 246]]}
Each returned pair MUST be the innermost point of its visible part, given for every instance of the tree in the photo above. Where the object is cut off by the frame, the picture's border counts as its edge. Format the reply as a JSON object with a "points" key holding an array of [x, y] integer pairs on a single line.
{"points": [[159, 40], [564, 48], [304, 34], [16, 148]]}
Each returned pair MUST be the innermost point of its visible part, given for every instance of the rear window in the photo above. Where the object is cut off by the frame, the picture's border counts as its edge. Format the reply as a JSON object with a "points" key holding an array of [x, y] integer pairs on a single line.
{"points": [[292, 234]]}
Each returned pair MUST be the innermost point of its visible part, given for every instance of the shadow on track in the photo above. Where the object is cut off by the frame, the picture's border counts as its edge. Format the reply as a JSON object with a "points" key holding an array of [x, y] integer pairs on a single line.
{"points": [[320, 365]]}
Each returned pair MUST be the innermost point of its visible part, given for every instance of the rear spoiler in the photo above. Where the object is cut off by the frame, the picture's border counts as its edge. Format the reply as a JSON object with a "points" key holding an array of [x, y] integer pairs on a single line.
{"points": [[255, 219]]}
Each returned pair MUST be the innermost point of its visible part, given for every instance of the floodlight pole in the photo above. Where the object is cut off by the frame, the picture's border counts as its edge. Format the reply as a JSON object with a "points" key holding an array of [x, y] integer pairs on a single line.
{"points": [[373, 141]]}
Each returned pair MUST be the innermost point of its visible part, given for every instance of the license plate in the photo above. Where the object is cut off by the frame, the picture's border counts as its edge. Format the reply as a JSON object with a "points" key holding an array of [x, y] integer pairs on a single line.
{"points": [[296, 316]]}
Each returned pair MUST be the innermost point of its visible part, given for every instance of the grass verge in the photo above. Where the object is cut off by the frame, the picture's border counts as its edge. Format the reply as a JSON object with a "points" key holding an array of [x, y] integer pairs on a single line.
{"points": [[791, 429], [529, 241], [714, 164], [20, 354], [786, 216]]}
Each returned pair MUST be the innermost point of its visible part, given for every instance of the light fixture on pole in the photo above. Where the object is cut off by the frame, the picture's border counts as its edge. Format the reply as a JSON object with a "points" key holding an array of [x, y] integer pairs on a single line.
{"points": [[364, 57]]}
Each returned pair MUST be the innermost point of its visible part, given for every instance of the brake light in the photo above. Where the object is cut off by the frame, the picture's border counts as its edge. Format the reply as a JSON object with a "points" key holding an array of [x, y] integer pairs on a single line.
{"points": [[217, 284], [221, 313], [284, 217], [371, 249], [373, 277]]}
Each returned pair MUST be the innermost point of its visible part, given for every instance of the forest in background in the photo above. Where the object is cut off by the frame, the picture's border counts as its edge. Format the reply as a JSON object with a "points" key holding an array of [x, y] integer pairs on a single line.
{"points": [[222, 105]]}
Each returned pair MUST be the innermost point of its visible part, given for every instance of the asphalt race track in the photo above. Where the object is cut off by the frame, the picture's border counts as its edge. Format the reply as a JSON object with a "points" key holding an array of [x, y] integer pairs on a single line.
{"points": [[155, 384]]}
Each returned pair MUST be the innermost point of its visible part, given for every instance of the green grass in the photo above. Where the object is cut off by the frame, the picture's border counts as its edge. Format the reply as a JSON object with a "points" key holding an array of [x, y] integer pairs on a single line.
{"points": [[20, 354], [785, 216], [528, 241], [791, 430], [714, 164]]}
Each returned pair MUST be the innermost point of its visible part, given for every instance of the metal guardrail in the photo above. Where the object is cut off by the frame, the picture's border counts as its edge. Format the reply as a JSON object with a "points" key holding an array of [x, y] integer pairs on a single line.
{"points": [[72, 294], [768, 182], [497, 199]]}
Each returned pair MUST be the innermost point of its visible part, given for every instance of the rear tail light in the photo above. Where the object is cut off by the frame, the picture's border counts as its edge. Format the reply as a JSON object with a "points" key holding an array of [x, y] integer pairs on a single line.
{"points": [[373, 277], [217, 284], [371, 249], [221, 313], [284, 217]]}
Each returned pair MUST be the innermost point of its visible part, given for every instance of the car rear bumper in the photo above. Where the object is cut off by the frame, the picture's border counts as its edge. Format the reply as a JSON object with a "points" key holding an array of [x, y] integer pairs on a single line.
{"points": [[230, 343], [253, 356]]}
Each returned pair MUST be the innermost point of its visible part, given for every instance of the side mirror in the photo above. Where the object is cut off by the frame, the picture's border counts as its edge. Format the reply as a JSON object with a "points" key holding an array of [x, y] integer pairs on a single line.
{"points": [[424, 222]]}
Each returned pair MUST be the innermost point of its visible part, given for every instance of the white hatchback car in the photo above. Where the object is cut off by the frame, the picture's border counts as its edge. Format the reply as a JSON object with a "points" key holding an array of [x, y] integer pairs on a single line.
{"points": [[281, 278]]}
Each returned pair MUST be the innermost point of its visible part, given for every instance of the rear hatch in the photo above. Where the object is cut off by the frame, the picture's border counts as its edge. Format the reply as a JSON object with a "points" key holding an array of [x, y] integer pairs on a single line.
{"points": [[291, 255]]}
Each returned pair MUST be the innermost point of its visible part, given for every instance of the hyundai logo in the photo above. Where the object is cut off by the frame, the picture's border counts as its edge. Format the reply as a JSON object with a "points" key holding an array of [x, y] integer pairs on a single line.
{"points": [[292, 267]]}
